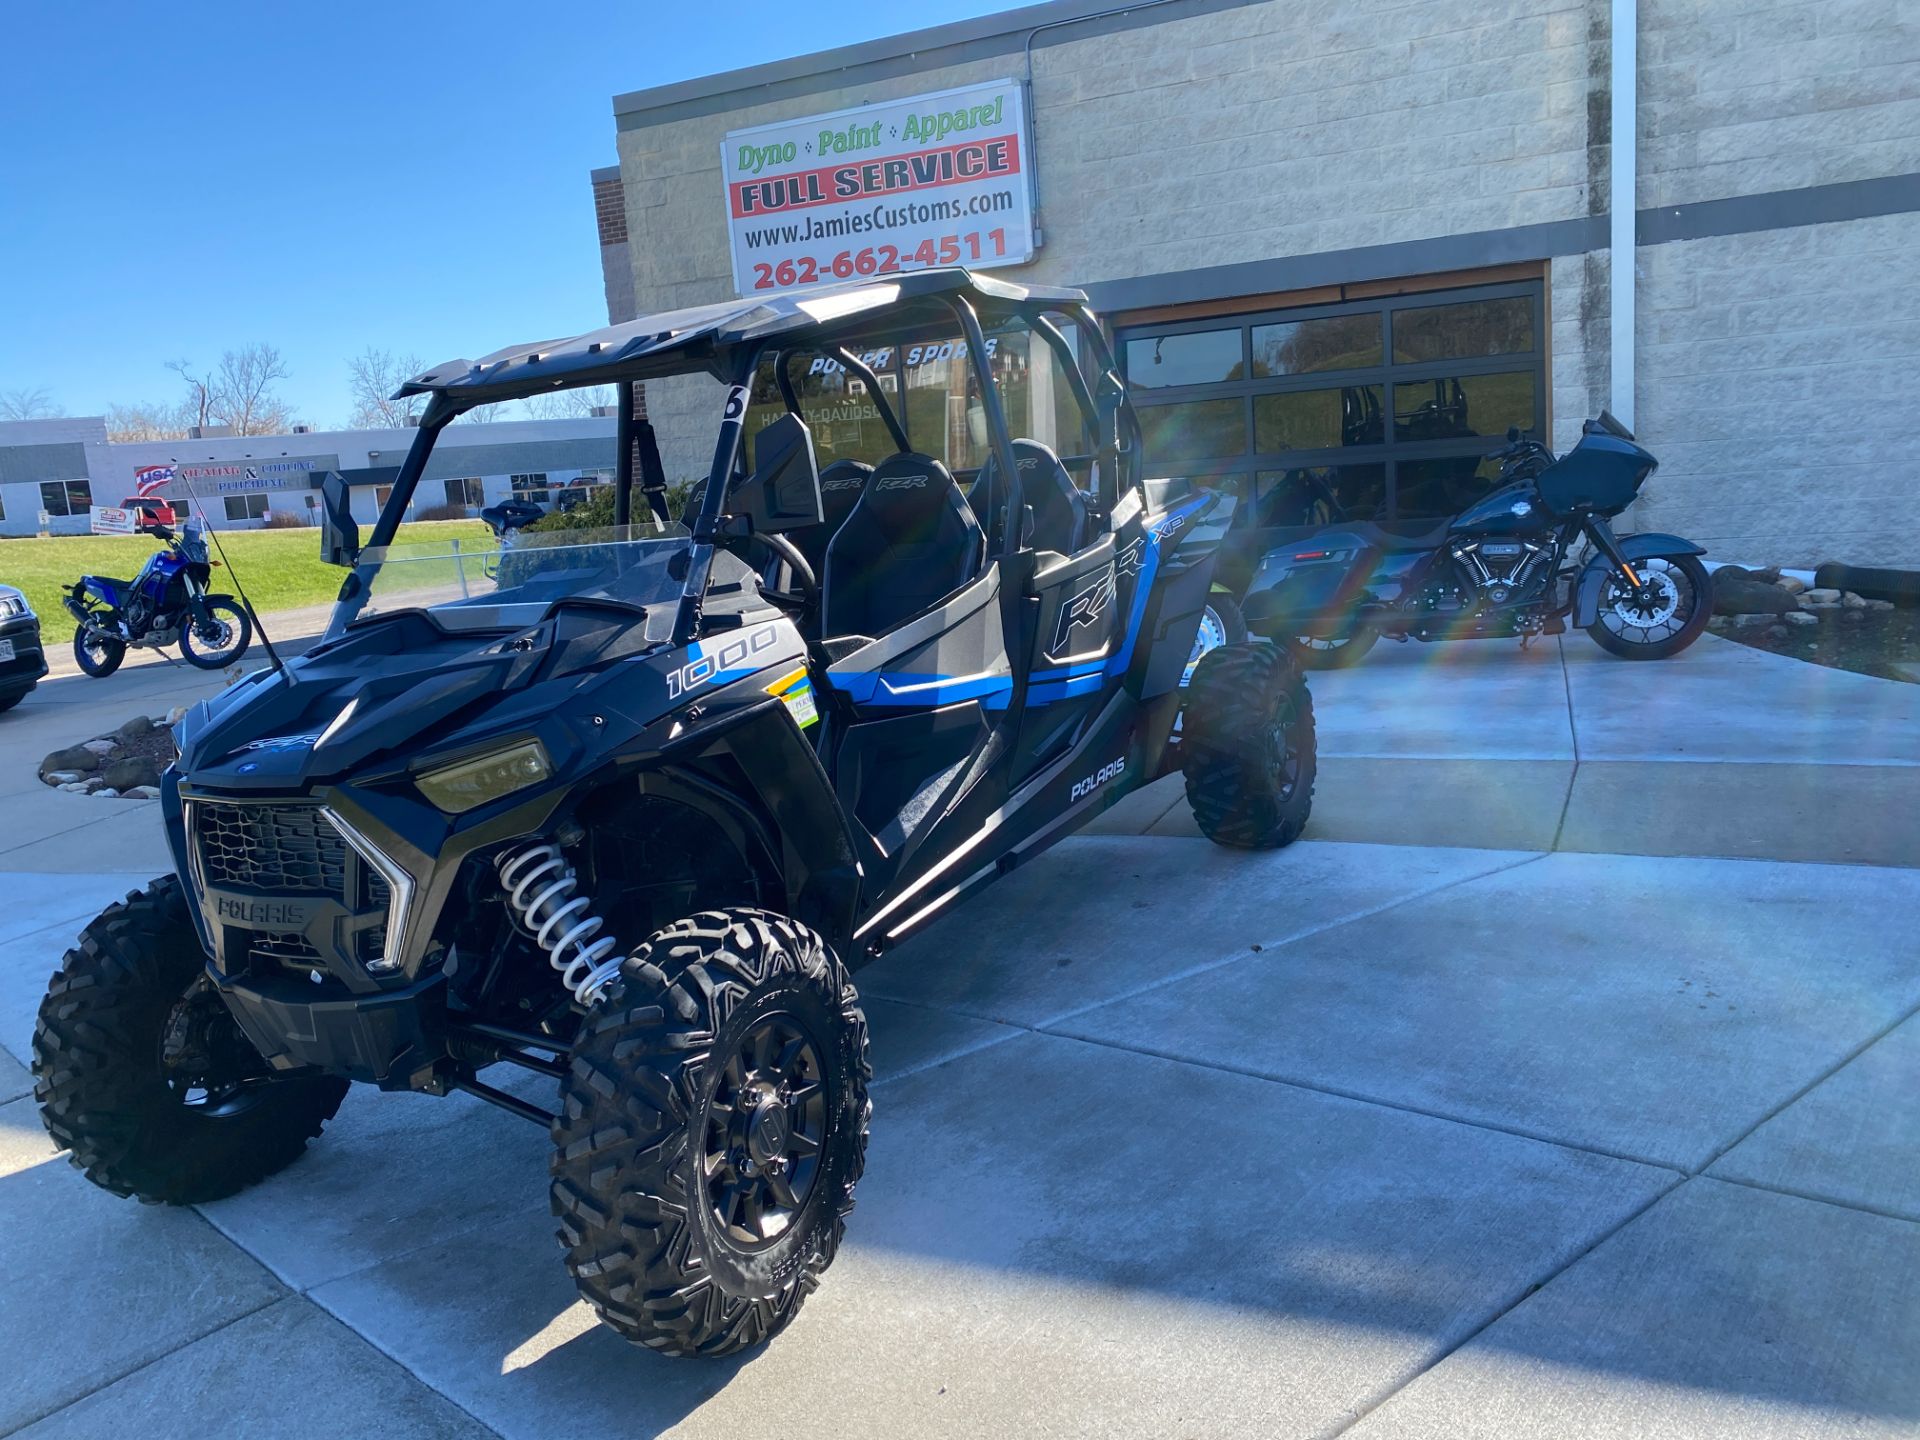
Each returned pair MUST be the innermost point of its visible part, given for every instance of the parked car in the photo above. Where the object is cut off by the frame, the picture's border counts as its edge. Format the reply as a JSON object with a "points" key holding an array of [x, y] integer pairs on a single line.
{"points": [[22, 661]]}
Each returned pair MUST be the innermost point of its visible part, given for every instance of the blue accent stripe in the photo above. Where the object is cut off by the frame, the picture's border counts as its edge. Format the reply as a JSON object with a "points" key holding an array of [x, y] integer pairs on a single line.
{"points": [[1149, 569]]}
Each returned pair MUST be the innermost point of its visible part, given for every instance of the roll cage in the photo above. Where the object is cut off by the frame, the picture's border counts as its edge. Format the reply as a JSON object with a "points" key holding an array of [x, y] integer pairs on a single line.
{"points": [[730, 340]]}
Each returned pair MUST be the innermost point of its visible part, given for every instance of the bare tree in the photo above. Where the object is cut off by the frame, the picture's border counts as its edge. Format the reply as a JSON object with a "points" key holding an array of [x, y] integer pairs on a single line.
{"points": [[198, 404], [242, 394], [372, 377], [138, 421], [484, 414], [35, 404], [570, 404]]}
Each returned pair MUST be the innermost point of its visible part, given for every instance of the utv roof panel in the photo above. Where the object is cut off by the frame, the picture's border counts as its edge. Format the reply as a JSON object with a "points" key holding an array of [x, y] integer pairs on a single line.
{"points": [[703, 337]]}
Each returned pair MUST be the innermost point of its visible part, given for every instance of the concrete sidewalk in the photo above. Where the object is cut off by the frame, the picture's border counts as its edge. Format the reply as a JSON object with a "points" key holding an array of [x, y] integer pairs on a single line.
{"points": [[1723, 750], [1167, 1141]]}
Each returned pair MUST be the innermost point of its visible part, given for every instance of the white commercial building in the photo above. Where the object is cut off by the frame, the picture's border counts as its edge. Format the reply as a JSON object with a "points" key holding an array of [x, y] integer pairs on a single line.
{"points": [[53, 471]]}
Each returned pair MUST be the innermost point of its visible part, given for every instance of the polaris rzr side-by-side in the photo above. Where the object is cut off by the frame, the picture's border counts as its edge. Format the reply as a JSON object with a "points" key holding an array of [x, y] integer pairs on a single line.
{"points": [[625, 808]]}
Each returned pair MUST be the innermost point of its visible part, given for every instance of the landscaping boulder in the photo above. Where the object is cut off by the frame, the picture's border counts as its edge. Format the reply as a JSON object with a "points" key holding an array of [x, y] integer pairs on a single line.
{"points": [[1852, 601], [1791, 584], [1801, 617], [136, 727], [1741, 595], [1853, 617], [143, 792], [1822, 595], [1766, 574], [102, 747], [125, 774], [74, 757]]}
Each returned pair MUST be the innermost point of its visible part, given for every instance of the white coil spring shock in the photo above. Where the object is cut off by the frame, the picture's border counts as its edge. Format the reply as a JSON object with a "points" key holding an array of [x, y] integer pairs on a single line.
{"points": [[544, 894]]}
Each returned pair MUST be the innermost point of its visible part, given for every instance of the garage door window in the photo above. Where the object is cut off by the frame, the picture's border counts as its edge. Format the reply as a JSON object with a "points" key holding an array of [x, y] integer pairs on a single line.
{"points": [[1382, 408]]}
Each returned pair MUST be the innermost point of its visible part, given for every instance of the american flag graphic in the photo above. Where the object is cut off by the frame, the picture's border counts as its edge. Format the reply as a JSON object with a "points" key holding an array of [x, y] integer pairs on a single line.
{"points": [[149, 478]]}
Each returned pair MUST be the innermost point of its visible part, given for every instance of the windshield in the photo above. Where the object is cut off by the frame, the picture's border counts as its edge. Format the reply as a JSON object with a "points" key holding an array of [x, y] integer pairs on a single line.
{"points": [[471, 579]]}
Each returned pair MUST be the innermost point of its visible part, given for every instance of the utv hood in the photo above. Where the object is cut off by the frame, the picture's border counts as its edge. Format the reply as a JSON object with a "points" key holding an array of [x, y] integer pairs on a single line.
{"points": [[392, 683]]}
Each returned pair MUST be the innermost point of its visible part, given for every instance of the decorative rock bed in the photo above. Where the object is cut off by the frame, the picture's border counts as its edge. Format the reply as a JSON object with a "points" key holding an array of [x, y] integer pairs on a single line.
{"points": [[123, 765], [1822, 624]]}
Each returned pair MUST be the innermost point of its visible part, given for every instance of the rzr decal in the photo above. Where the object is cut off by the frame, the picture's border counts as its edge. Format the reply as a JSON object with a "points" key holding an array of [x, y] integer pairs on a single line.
{"points": [[1082, 611], [903, 482], [1127, 562]]}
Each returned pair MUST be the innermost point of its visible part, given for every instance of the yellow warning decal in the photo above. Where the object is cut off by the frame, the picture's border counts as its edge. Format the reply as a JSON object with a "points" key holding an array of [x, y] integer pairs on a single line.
{"points": [[795, 691]]}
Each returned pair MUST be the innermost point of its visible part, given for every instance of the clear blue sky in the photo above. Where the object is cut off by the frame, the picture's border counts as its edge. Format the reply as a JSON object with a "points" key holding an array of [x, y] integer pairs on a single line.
{"points": [[176, 180]]}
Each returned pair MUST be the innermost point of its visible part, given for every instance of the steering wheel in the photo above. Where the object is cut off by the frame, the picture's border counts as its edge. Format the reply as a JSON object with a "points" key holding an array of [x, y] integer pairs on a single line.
{"points": [[807, 601]]}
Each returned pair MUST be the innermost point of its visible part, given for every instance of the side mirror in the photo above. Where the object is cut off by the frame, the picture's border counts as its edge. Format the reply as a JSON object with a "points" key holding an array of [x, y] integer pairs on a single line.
{"points": [[783, 492], [339, 531]]}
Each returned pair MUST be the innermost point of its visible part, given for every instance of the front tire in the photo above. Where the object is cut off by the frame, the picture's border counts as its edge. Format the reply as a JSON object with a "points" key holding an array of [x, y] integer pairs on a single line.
{"points": [[713, 1125], [1665, 628], [1248, 747], [98, 655], [201, 1125], [219, 640]]}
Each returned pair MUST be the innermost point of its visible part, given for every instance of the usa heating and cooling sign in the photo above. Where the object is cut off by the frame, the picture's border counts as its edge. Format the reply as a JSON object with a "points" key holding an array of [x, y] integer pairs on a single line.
{"points": [[935, 180]]}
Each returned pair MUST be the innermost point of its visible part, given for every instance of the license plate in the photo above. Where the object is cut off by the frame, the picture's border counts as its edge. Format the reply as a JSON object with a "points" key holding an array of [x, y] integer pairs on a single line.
{"points": [[6, 650]]}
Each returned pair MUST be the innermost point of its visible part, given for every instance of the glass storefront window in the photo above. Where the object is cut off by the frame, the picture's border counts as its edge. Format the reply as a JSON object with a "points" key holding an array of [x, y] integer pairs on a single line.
{"points": [[1311, 496], [1432, 489], [1462, 331], [1302, 347], [1453, 408], [1192, 430], [1317, 419], [845, 422], [1206, 357]]}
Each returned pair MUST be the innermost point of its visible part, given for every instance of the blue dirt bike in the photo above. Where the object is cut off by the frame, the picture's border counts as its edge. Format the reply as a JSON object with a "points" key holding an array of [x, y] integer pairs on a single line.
{"points": [[167, 602]]}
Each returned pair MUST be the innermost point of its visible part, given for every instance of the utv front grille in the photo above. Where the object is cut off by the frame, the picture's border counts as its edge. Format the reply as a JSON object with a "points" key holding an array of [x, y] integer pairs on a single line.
{"points": [[285, 948], [278, 849], [298, 850]]}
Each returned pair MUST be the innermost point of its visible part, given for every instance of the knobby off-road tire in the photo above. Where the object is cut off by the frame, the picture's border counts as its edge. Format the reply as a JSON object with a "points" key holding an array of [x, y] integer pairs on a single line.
{"points": [[103, 1091], [718, 1017], [1248, 747]]}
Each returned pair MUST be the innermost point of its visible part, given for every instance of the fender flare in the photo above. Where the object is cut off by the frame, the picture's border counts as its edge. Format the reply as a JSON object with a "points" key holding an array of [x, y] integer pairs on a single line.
{"points": [[1593, 579], [809, 840]]}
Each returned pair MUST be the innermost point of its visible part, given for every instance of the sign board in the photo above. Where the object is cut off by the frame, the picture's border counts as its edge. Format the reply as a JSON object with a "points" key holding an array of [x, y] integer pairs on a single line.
{"points": [[938, 179], [241, 476], [111, 520]]}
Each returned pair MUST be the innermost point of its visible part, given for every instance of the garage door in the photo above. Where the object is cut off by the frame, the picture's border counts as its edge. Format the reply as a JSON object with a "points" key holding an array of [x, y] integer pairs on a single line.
{"points": [[1376, 409]]}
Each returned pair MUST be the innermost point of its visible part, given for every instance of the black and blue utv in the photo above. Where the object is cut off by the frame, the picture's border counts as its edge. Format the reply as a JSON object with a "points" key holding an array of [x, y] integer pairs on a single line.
{"points": [[624, 808]]}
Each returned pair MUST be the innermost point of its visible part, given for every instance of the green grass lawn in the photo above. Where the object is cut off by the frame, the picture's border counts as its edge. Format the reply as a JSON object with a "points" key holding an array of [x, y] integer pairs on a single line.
{"points": [[281, 569]]}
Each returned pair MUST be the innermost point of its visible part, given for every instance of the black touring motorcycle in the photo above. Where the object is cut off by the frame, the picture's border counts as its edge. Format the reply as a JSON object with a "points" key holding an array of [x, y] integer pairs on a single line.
{"points": [[627, 812], [1505, 566]]}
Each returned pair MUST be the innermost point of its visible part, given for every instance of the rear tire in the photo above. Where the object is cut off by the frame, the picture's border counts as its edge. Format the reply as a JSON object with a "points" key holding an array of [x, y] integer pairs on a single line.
{"points": [[1334, 654], [1248, 747], [713, 1125], [105, 1096], [99, 655], [1221, 623]]}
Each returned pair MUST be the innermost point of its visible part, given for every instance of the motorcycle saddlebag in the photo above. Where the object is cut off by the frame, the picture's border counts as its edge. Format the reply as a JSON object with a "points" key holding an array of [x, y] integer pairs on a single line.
{"points": [[1309, 580]]}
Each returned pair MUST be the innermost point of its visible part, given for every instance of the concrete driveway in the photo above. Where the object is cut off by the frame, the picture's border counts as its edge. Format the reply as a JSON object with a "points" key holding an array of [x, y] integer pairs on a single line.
{"points": [[1390, 1139]]}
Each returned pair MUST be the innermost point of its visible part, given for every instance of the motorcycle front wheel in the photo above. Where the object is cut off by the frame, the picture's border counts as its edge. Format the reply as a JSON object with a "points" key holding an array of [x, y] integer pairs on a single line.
{"points": [[99, 655], [219, 639], [1665, 616]]}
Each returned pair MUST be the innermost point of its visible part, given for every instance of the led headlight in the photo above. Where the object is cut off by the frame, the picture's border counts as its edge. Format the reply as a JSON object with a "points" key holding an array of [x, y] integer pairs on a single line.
{"points": [[462, 786]]}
